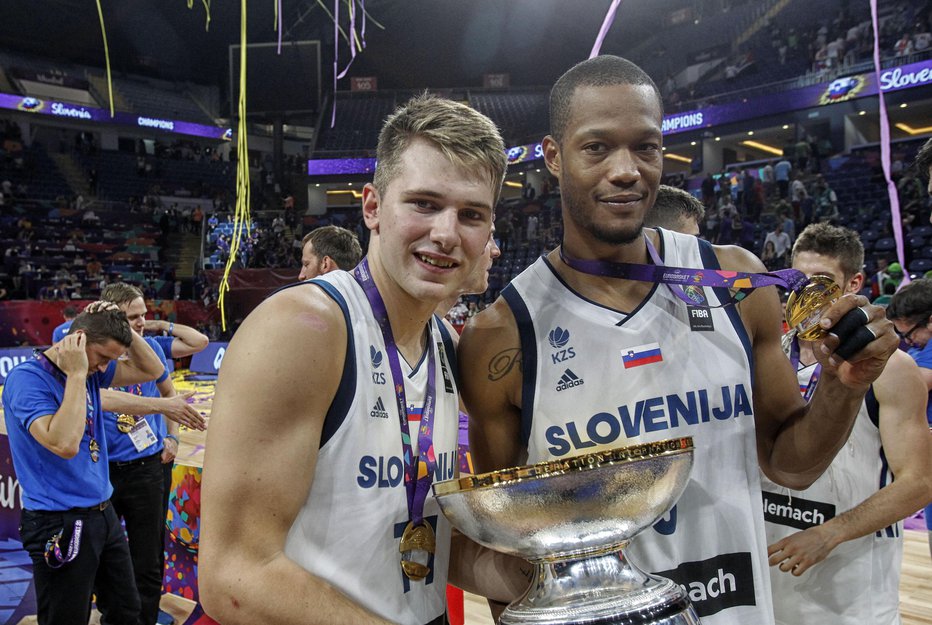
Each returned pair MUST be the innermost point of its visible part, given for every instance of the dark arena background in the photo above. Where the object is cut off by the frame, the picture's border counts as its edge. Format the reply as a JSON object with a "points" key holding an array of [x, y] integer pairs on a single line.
{"points": [[147, 194]]}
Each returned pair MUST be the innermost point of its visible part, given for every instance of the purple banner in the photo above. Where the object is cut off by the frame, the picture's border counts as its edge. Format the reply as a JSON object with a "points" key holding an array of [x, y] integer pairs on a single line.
{"points": [[331, 166], [54, 108], [839, 90]]}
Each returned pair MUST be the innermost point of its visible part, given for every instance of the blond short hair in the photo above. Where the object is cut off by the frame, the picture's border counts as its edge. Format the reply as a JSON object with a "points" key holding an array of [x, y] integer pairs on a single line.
{"points": [[120, 293], [467, 137]]}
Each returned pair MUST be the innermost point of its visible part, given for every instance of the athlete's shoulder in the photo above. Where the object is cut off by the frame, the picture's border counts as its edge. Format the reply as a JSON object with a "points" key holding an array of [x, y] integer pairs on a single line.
{"points": [[899, 368], [735, 258], [292, 317], [496, 318]]}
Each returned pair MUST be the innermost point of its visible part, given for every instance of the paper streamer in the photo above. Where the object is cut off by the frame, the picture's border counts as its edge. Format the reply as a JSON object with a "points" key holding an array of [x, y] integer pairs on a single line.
{"points": [[606, 24], [206, 4], [103, 32], [241, 216], [896, 220]]}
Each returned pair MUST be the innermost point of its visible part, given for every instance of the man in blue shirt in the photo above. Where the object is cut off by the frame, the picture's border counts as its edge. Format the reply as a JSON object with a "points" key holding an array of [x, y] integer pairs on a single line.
{"points": [[54, 420], [782, 173], [140, 442], [69, 313]]}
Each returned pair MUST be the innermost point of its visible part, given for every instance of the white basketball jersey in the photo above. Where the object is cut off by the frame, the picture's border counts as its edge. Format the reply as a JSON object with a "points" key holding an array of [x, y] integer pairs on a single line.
{"points": [[859, 581], [349, 529], [599, 378]]}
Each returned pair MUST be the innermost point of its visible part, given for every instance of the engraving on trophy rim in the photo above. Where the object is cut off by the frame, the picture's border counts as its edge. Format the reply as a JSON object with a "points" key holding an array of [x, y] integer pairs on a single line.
{"points": [[584, 462]]}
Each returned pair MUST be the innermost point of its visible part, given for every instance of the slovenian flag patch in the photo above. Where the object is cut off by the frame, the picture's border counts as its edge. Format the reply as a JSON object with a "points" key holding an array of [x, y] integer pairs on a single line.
{"points": [[641, 355]]}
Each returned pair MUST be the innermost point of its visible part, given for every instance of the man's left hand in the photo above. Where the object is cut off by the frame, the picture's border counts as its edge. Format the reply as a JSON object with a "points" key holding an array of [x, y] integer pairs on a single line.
{"points": [[169, 451], [797, 552]]}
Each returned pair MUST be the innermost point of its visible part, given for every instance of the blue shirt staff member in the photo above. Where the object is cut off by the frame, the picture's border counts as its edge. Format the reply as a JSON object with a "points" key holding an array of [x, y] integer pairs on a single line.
{"points": [[140, 442], [69, 313], [53, 417]]}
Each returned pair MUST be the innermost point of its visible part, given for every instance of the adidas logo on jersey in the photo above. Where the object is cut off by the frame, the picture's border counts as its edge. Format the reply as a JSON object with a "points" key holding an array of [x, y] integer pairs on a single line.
{"points": [[568, 380], [378, 410]]}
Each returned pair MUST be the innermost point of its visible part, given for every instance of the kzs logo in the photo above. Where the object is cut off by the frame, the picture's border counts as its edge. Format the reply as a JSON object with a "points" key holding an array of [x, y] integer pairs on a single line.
{"points": [[558, 338], [378, 377]]}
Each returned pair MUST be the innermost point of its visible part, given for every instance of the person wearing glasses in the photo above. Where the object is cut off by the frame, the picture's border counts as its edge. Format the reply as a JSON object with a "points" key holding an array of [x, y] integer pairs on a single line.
{"points": [[910, 310]]}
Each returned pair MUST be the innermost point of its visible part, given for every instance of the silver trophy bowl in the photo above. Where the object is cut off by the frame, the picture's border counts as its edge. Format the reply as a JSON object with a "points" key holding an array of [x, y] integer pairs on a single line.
{"points": [[572, 518]]}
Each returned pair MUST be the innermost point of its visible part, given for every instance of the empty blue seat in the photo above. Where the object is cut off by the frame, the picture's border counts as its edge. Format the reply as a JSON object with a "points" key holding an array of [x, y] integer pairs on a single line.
{"points": [[884, 245]]}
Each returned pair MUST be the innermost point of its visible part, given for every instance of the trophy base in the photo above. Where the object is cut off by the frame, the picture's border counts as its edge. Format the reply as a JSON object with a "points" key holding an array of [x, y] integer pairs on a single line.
{"points": [[603, 589]]}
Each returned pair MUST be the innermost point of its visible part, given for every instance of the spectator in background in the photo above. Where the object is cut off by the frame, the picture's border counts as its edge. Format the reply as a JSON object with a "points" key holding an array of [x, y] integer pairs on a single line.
{"points": [[708, 190], [532, 222], [197, 216], [69, 313], [781, 243], [895, 273], [328, 248], [922, 39], [782, 174], [504, 230], [789, 226], [903, 46], [798, 193], [768, 179], [675, 209], [826, 202]]}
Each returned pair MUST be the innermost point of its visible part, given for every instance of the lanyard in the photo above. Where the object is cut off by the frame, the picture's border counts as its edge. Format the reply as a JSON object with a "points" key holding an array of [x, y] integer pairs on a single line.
{"points": [[89, 423], [418, 471], [683, 277], [816, 372]]}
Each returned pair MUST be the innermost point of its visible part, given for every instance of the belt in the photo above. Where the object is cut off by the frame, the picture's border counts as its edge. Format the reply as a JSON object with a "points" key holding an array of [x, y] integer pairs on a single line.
{"points": [[126, 463], [103, 505]]}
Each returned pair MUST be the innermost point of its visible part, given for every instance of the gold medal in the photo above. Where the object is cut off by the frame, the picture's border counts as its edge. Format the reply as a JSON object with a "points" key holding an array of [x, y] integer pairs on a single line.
{"points": [[420, 538], [804, 308], [125, 423]]}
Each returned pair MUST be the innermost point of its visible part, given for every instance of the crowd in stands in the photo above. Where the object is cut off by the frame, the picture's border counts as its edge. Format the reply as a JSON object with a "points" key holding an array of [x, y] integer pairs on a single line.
{"points": [[808, 51], [60, 254], [763, 208], [272, 239]]}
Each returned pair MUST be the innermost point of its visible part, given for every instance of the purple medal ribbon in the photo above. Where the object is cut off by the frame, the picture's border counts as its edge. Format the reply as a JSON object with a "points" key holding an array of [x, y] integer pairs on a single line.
{"points": [[681, 277], [816, 373], [415, 488]]}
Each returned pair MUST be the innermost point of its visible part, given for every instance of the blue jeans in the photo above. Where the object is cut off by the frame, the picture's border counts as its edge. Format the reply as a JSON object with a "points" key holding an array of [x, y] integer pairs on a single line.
{"points": [[137, 498], [102, 566]]}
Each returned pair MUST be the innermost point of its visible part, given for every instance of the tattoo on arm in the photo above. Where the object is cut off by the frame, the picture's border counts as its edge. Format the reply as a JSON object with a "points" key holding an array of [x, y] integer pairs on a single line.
{"points": [[503, 362]]}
